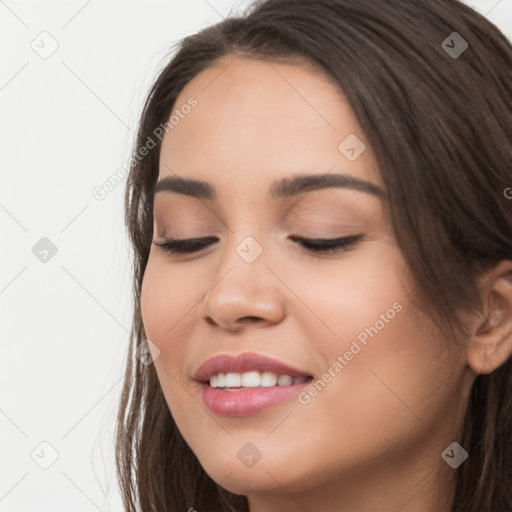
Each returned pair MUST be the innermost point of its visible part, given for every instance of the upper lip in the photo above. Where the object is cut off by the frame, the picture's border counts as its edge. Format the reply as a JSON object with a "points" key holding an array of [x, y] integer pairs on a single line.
{"points": [[241, 363]]}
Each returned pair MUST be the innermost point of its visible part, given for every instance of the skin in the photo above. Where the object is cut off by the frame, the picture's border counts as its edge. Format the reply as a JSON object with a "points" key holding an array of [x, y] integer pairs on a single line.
{"points": [[371, 439]]}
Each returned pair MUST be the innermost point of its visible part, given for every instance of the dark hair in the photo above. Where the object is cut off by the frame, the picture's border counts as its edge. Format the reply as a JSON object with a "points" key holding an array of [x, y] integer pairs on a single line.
{"points": [[440, 126]]}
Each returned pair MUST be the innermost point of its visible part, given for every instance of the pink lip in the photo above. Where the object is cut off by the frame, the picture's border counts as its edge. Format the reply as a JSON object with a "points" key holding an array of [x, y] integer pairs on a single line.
{"points": [[245, 362], [248, 401]]}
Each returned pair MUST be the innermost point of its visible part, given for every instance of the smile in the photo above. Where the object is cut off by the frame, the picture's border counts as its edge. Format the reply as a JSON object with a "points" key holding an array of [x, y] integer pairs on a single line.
{"points": [[248, 383]]}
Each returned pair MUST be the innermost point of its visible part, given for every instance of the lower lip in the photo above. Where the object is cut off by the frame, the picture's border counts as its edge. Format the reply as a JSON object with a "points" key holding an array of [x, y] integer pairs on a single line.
{"points": [[248, 401]]}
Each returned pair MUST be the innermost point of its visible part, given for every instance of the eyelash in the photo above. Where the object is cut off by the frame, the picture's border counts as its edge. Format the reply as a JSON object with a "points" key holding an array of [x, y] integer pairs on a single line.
{"points": [[327, 246]]}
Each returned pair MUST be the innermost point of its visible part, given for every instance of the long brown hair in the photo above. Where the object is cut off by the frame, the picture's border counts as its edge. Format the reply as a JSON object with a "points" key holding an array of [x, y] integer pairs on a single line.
{"points": [[440, 125]]}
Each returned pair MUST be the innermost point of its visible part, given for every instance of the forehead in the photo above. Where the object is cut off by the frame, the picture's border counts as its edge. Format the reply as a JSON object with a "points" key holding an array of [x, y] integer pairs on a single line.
{"points": [[256, 121]]}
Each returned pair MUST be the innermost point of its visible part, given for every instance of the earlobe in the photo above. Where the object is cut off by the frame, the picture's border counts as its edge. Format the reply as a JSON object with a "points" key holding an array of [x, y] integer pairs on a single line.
{"points": [[491, 341]]}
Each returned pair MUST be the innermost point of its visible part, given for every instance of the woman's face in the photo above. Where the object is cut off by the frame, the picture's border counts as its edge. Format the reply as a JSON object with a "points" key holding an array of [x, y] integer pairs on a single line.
{"points": [[384, 392]]}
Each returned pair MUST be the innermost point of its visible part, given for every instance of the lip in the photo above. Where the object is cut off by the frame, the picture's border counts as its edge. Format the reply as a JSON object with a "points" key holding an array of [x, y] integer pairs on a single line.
{"points": [[248, 401], [244, 362]]}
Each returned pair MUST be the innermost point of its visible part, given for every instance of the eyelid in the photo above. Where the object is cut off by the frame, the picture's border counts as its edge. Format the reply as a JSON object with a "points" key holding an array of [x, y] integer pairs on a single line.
{"points": [[315, 245]]}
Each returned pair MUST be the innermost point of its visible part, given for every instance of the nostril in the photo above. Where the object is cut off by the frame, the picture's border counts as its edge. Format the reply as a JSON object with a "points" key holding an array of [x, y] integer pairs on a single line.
{"points": [[251, 318], [210, 321]]}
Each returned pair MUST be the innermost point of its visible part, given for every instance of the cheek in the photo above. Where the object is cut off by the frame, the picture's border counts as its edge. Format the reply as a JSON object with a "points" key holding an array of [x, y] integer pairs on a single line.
{"points": [[387, 377], [347, 296], [166, 309], [170, 298], [167, 296]]}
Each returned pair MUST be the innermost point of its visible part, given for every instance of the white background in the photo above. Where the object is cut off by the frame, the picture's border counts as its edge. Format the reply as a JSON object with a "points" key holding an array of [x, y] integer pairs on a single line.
{"points": [[67, 124]]}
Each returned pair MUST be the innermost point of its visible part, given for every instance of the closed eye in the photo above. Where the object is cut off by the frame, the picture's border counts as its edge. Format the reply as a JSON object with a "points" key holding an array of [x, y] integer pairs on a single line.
{"points": [[330, 245], [324, 246]]}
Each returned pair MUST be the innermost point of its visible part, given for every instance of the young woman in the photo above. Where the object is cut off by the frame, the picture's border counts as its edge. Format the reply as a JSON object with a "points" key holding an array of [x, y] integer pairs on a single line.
{"points": [[320, 207]]}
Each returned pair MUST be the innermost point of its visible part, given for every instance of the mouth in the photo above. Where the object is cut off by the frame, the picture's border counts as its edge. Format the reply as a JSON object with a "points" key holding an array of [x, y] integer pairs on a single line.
{"points": [[247, 383]]}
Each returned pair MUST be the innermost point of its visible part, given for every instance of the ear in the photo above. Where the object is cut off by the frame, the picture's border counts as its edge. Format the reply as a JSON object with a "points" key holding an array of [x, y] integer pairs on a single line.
{"points": [[491, 338]]}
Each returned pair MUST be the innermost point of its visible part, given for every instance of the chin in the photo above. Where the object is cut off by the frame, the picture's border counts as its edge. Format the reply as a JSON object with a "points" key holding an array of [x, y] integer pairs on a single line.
{"points": [[247, 480], [267, 475]]}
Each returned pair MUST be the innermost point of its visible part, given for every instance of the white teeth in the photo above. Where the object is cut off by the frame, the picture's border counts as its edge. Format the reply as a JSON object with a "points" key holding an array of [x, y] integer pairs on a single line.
{"points": [[233, 380], [253, 379], [284, 380], [268, 379]]}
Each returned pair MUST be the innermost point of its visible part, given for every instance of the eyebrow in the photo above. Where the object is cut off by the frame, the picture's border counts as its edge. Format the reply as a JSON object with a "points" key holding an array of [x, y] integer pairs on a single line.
{"points": [[285, 187]]}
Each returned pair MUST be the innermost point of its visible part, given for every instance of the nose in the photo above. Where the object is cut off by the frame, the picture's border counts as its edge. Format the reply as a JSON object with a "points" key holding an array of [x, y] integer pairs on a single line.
{"points": [[244, 294]]}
